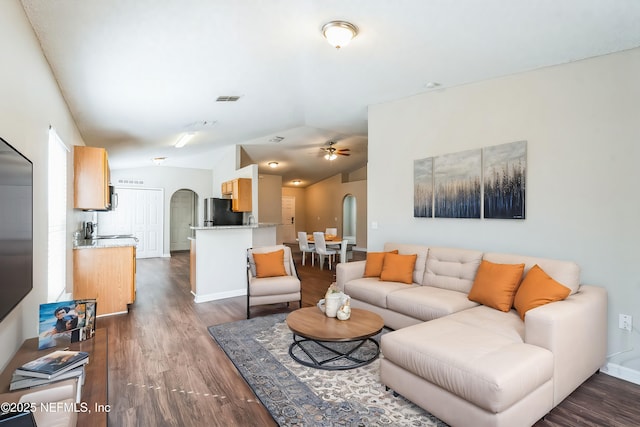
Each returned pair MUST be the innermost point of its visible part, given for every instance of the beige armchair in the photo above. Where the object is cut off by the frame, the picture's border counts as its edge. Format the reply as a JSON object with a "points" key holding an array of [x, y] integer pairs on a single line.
{"points": [[271, 277]]}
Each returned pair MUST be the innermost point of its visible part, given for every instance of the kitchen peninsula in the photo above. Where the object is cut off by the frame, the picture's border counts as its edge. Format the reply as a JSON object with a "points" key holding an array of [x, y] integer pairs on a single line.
{"points": [[219, 258]]}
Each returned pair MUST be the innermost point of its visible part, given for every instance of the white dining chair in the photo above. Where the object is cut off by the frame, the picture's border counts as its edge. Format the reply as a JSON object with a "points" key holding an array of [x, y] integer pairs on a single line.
{"points": [[321, 248], [331, 231], [343, 250], [306, 247]]}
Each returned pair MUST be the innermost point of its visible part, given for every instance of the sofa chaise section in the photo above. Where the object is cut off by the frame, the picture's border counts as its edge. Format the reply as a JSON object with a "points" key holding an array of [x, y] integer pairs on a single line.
{"points": [[471, 364]]}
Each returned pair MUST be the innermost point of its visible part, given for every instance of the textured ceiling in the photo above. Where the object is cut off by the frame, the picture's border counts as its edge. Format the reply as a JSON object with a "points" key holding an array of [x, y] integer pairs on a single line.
{"points": [[138, 73]]}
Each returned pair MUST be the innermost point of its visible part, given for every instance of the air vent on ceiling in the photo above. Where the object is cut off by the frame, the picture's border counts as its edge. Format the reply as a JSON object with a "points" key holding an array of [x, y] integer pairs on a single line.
{"points": [[276, 139], [227, 98]]}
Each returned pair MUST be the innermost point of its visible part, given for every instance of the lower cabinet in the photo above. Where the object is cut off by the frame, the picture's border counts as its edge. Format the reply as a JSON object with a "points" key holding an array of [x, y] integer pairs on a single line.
{"points": [[106, 274]]}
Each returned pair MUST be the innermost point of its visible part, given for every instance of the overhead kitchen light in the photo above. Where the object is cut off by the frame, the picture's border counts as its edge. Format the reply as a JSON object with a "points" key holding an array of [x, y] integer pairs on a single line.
{"points": [[273, 164], [183, 139], [158, 160], [296, 182], [339, 33]]}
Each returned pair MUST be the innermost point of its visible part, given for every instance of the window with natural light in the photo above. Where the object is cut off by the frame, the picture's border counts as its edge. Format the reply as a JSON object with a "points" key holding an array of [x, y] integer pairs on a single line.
{"points": [[57, 216]]}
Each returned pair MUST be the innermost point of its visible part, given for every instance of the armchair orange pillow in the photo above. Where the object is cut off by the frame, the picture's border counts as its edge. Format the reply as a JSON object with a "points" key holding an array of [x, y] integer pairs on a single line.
{"points": [[270, 264]]}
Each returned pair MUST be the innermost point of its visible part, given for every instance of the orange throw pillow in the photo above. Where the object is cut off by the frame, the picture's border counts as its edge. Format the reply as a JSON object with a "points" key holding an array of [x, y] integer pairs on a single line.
{"points": [[495, 285], [373, 267], [538, 288], [398, 268], [270, 264]]}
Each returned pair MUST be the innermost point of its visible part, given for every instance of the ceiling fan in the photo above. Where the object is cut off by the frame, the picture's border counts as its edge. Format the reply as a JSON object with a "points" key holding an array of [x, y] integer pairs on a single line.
{"points": [[332, 153]]}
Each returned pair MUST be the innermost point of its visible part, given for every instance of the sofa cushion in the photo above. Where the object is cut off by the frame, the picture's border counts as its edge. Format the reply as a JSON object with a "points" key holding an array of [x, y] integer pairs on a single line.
{"points": [[477, 354], [372, 290], [565, 272], [407, 249], [495, 285], [452, 269], [398, 268], [373, 266], [428, 303], [537, 289]]}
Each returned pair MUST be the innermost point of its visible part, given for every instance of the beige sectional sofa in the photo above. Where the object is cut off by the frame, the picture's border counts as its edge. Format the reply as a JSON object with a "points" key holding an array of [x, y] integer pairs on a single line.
{"points": [[470, 364]]}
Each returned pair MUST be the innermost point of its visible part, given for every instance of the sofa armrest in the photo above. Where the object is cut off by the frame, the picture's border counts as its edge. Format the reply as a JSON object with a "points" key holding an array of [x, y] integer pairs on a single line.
{"points": [[346, 271], [575, 331]]}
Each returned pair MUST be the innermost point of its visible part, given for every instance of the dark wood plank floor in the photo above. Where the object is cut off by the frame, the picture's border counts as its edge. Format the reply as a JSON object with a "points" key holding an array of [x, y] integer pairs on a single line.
{"points": [[165, 369]]}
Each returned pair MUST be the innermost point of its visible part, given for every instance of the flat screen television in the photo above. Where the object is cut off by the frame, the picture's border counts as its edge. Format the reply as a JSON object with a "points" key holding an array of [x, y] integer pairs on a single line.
{"points": [[16, 227]]}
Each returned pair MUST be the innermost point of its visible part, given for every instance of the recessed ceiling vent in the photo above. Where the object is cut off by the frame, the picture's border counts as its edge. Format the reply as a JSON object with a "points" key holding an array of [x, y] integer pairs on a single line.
{"points": [[227, 98], [276, 139]]}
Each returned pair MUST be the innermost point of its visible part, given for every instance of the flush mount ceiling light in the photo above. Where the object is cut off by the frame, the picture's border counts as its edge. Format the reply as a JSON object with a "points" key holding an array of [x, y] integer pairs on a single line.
{"points": [[183, 139], [296, 182], [158, 160], [273, 164], [339, 33]]}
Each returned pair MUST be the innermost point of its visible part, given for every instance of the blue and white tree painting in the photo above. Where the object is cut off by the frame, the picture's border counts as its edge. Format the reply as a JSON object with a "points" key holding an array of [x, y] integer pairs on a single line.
{"points": [[423, 188], [505, 171], [457, 184]]}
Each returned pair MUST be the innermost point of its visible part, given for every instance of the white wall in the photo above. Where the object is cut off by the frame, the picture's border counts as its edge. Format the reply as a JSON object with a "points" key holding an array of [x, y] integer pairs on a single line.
{"points": [[171, 180], [581, 121], [31, 101]]}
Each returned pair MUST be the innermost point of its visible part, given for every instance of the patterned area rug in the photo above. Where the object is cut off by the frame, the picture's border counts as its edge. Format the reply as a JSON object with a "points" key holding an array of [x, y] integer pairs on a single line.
{"points": [[296, 395]]}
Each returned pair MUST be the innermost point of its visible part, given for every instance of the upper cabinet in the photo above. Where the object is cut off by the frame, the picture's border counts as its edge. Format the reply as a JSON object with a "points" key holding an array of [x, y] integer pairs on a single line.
{"points": [[90, 178], [240, 191]]}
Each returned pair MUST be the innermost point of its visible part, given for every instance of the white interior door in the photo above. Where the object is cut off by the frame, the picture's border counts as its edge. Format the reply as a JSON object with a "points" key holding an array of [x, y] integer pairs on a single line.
{"points": [[139, 212], [288, 219]]}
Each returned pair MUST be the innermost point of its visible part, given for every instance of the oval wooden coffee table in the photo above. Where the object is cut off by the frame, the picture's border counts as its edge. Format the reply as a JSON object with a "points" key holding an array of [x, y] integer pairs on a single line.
{"points": [[333, 344]]}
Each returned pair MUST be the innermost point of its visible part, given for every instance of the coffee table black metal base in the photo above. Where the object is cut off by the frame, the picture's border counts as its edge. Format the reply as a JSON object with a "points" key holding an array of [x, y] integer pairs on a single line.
{"points": [[335, 353]]}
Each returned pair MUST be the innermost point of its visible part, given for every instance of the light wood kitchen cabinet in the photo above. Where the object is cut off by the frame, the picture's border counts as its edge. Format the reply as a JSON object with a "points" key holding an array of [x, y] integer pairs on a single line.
{"points": [[106, 274], [240, 191], [90, 178], [227, 188]]}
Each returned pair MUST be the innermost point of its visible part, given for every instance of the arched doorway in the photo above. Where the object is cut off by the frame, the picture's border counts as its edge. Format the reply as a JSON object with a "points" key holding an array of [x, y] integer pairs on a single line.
{"points": [[349, 221], [183, 214]]}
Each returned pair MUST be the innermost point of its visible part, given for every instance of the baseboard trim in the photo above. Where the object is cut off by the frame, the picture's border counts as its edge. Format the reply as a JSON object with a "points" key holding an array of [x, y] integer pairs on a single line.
{"points": [[219, 295], [621, 372]]}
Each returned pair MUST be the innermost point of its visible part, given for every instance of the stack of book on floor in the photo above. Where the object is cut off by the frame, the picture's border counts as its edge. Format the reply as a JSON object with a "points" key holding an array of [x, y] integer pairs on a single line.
{"points": [[57, 366]]}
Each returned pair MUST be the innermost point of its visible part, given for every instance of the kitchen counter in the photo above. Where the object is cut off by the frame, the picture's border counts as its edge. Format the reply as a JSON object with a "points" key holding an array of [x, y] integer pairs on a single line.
{"points": [[104, 243], [219, 258], [228, 227]]}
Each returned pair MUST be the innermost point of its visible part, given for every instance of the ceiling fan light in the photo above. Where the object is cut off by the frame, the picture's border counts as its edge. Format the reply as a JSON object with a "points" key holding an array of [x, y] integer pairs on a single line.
{"points": [[339, 33]]}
